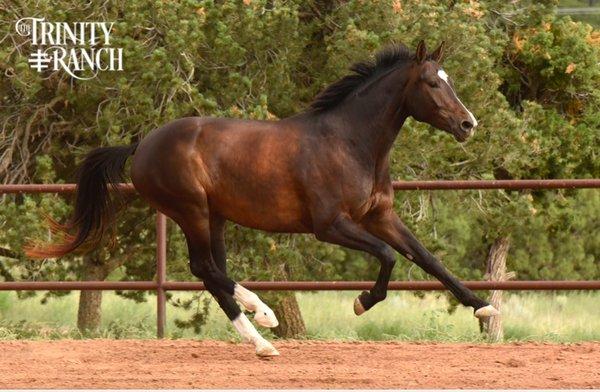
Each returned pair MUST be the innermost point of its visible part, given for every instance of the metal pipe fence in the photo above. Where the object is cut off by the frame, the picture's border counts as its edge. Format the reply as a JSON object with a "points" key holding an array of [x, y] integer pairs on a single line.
{"points": [[398, 185], [161, 284]]}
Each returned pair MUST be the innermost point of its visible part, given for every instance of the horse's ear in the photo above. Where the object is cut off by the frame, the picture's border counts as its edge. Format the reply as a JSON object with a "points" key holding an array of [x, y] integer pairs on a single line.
{"points": [[438, 53], [421, 52]]}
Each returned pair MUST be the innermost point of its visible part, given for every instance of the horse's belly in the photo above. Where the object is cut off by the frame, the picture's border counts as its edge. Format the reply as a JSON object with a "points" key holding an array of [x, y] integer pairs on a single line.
{"points": [[276, 213]]}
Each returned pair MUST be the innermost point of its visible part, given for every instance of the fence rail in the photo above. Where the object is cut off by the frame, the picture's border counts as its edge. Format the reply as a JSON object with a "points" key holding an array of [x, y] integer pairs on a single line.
{"points": [[578, 10], [398, 185], [496, 184], [305, 285], [161, 284]]}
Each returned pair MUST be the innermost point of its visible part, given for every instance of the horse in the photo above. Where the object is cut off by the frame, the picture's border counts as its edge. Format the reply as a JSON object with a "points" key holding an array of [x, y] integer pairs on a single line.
{"points": [[323, 171]]}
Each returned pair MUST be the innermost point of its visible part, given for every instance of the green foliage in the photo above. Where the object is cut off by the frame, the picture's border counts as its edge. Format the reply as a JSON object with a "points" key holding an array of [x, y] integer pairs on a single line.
{"points": [[199, 304], [530, 77]]}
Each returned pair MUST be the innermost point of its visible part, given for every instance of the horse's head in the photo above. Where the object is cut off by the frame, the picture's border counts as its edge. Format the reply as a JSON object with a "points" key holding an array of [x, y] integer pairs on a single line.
{"points": [[431, 98]]}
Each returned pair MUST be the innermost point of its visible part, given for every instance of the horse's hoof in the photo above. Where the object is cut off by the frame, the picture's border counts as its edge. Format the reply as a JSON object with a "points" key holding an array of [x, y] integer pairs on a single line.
{"points": [[265, 317], [358, 307], [266, 349], [486, 311]]}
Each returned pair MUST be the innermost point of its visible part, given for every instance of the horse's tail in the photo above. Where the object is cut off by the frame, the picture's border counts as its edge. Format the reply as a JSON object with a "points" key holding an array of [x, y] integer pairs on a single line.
{"points": [[94, 208]]}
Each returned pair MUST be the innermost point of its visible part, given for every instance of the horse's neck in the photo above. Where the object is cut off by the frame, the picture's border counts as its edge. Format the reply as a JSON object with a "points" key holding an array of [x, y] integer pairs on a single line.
{"points": [[371, 122]]}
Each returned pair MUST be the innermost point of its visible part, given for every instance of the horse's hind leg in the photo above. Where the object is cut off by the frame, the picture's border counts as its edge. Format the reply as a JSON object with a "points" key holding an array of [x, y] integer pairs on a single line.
{"points": [[228, 304], [197, 232], [264, 316], [240, 321]]}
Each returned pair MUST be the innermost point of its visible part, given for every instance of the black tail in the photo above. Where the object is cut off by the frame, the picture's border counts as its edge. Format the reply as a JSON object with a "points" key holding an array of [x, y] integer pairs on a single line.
{"points": [[94, 208]]}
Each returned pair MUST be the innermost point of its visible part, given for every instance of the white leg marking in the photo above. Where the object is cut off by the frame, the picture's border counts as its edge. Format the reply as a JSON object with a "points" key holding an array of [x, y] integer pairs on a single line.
{"points": [[246, 297], [263, 315], [444, 76], [246, 329], [250, 335]]}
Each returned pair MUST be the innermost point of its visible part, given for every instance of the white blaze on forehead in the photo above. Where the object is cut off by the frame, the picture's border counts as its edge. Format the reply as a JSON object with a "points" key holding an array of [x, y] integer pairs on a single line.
{"points": [[444, 76]]}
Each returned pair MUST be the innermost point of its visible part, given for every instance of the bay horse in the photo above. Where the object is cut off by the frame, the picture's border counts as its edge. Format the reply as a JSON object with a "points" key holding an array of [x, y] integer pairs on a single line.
{"points": [[324, 171]]}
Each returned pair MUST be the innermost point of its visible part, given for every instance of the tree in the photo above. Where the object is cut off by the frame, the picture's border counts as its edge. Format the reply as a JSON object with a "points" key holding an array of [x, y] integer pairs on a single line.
{"points": [[528, 75]]}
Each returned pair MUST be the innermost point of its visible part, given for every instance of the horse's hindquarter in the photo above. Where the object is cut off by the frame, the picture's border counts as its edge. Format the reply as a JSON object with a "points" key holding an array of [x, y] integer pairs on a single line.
{"points": [[252, 167]]}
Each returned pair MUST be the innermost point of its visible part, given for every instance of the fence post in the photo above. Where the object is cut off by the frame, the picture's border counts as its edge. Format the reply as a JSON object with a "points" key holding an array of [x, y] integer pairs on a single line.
{"points": [[161, 274]]}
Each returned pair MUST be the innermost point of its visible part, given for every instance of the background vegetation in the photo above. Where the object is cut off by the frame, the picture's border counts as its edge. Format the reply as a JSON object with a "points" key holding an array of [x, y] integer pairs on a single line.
{"points": [[556, 317], [530, 77]]}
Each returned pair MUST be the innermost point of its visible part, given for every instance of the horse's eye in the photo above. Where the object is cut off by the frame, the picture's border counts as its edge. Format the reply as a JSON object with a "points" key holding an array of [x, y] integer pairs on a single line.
{"points": [[433, 83]]}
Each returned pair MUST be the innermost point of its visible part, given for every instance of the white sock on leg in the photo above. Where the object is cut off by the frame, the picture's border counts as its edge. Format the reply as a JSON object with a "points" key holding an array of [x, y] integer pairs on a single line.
{"points": [[264, 316], [251, 335]]}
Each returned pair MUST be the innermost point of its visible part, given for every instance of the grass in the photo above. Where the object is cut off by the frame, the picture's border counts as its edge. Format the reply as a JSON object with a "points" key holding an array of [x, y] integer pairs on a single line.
{"points": [[549, 317]]}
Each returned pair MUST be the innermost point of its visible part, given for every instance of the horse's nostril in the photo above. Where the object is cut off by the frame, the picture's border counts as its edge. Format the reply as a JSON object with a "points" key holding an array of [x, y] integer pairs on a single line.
{"points": [[466, 125]]}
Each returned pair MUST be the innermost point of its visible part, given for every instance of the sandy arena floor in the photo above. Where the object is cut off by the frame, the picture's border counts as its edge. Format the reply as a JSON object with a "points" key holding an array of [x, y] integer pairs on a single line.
{"points": [[302, 364]]}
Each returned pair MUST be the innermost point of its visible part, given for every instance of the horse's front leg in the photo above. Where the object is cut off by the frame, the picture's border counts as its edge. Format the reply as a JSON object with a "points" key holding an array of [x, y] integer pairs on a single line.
{"points": [[387, 226], [343, 231]]}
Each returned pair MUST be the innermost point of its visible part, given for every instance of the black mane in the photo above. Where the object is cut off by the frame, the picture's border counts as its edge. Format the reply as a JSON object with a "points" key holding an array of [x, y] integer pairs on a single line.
{"points": [[361, 72]]}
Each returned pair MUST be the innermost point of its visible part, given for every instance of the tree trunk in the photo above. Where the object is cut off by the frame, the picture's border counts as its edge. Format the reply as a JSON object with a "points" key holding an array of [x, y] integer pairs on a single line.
{"points": [[285, 305], [89, 314], [496, 271], [291, 325]]}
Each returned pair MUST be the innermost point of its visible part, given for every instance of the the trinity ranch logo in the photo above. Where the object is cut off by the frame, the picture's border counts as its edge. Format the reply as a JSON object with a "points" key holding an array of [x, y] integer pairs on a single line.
{"points": [[72, 47]]}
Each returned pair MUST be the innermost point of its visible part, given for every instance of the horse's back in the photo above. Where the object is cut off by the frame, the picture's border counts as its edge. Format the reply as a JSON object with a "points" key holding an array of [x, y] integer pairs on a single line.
{"points": [[244, 168]]}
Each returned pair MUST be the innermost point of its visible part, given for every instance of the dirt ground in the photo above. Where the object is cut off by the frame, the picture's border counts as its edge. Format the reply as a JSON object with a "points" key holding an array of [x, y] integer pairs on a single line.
{"points": [[302, 364]]}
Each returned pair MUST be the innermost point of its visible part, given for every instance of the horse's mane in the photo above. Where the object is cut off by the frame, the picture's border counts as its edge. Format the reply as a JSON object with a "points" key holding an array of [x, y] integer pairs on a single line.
{"points": [[362, 71]]}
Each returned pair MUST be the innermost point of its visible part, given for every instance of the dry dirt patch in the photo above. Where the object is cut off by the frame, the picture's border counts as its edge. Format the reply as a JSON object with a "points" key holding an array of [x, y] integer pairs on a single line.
{"points": [[302, 364]]}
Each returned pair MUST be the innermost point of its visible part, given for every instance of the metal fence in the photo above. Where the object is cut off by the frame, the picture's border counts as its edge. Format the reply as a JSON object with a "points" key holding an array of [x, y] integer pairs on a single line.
{"points": [[578, 10], [161, 284]]}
